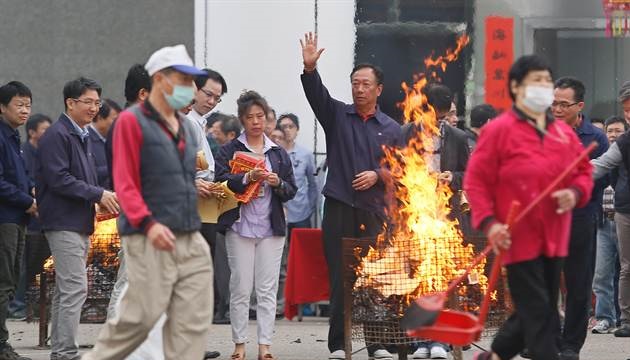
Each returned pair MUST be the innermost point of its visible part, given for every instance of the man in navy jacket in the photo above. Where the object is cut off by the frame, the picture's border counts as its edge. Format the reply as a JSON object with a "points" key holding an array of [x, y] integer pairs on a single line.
{"points": [[355, 185], [16, 199], [579, 265], [67, 190]]}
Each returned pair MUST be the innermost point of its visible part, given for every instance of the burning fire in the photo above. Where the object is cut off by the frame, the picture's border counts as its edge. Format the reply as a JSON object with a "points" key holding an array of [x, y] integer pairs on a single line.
{"points": [[423, 248], [105, 244]]}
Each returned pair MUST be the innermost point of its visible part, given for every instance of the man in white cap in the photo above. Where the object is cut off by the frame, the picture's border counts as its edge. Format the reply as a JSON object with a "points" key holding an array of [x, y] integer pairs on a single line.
{"points": [[168, 261]]}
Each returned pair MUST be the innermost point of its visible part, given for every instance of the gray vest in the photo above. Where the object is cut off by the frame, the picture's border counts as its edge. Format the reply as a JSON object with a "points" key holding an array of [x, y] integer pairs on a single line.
{"points": [[167, 180]]}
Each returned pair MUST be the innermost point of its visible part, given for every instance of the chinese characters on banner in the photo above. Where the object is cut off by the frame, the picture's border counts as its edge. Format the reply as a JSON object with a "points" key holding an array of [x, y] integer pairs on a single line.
{"points": [[499, 55]]}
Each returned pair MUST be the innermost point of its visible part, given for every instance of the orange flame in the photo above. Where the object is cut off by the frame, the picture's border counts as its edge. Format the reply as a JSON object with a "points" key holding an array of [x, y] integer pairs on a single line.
{"points": [[442, 61], [105, 244], [423, 249]]}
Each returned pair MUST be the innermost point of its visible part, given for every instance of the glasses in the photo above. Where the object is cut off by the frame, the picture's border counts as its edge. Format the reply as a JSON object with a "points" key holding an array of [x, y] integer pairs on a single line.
{"points": [[90, 103], [209, 94], [563, 105]]}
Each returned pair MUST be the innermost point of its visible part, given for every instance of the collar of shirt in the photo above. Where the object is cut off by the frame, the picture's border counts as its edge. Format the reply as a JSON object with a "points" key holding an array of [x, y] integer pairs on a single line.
{"points": [[200, 119], [148, 110], [82, 132], [267, 143], [585, 127], [378, 114], [8, 131], [524, 117], [98, 134]]}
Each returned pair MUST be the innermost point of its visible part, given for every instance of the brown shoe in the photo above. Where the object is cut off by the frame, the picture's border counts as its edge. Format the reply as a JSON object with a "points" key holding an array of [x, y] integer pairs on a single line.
{"points": [[267, 356]]}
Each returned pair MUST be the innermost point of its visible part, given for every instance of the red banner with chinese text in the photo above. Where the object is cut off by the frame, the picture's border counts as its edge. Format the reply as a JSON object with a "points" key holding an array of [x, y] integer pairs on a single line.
{"points": [[499, 56]]}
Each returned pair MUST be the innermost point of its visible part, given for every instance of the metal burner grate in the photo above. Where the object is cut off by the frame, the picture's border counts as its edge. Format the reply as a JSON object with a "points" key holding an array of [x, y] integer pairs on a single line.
{"points": [[374, 304], [102, 267]]}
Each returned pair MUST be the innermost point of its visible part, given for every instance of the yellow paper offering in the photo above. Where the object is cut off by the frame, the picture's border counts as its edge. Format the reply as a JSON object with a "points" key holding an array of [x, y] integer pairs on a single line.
{"points": [[211, 208]]}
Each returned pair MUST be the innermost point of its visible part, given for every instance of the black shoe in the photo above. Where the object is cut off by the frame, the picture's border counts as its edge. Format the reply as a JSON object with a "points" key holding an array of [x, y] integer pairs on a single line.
{"points": [[211, 355], [568, 354], [7, 353], [623, 331], [525, 354], [221, 321]]}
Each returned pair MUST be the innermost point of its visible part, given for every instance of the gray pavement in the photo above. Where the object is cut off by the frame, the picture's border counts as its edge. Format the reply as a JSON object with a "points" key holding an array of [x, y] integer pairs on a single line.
{"points": [[293, 341]]}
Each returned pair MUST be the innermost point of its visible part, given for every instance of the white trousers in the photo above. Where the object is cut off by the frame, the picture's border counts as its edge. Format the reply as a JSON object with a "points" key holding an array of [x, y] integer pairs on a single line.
{"points": [[254, 263]]}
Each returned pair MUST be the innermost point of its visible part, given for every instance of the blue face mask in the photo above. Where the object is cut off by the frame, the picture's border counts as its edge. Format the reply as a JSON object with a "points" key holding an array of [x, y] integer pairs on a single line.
{"points": [[181, 96]]}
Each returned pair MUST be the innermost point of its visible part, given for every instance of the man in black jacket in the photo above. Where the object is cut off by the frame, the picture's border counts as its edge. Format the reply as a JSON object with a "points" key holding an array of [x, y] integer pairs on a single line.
{"points": [[16, 200]]}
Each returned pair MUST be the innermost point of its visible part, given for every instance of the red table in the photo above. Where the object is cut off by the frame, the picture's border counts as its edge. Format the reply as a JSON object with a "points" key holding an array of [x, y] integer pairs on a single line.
{"points": [[307, 272]]}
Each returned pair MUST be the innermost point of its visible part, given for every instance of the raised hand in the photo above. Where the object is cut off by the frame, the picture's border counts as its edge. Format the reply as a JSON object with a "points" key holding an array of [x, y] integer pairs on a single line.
{"points": [[310, 52]]}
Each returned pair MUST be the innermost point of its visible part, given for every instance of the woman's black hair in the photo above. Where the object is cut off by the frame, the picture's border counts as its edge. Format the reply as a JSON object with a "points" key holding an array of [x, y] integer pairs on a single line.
{"points": [[248, 99]]}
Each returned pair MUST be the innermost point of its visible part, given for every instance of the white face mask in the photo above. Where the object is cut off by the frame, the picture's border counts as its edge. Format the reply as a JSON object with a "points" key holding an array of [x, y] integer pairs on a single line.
{"points": [[538, 98]]}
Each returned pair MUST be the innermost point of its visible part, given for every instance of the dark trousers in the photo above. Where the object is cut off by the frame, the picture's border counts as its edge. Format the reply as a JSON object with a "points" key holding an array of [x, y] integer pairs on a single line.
{"points": [[11, 255], [37, 251], [534, 287], [221, 281], [578, 277], [342, 220]]}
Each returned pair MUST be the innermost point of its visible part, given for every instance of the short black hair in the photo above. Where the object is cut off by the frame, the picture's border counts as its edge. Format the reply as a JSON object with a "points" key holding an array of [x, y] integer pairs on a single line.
{"points": [[33, 122], [106, 108], [248, 99], [212, 118], [137, 79], [440, 97], [523, 66], [200, 80], [614, 120], [12, 89], [598, 120], [114, 105], [378, 72], [77, 87], [576, 85], [229, 123], [291, 117], [481, 114]]}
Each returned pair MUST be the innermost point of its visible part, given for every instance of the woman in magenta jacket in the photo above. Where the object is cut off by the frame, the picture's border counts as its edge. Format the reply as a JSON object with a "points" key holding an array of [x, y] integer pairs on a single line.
{"points": [[517, 156]]}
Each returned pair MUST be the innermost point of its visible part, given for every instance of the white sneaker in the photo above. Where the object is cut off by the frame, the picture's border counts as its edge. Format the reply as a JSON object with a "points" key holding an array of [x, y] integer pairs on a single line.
{"points": [[438, 352], [421, 353], [382, 354], [337, 355], [602, 327]]}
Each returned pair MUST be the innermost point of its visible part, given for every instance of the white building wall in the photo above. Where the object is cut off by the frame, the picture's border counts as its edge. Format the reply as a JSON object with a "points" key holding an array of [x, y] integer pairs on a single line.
{"points": [[255, 45]]}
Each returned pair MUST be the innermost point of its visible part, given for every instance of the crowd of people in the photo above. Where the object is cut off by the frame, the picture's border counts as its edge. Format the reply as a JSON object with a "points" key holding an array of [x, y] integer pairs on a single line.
{"points": [[149, 163]]}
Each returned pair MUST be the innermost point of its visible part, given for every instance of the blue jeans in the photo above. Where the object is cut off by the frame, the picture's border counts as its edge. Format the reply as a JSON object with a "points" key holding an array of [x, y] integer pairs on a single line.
{"points": [[603, 281], [430, 344]]}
